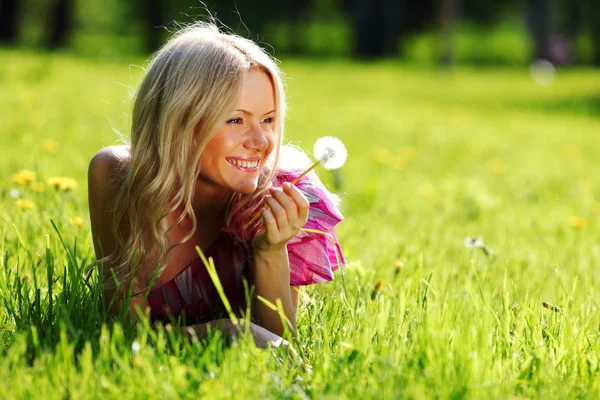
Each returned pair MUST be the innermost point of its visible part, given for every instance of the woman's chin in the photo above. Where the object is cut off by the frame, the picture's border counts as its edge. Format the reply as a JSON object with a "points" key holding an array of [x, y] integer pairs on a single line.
{"points": [[246, 189]]}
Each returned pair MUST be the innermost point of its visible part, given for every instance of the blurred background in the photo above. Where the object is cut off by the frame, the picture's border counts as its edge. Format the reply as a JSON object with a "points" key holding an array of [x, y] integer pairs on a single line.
{"points": [[432, 32]]}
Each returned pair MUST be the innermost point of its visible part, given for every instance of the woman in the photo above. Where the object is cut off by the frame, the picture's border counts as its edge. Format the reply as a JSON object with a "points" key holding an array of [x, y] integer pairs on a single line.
{"points": [[207, 129]]}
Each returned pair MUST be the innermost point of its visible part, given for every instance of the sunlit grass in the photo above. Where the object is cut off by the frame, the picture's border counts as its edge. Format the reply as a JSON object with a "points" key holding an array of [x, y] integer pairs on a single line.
{"points": [[433, 158]]}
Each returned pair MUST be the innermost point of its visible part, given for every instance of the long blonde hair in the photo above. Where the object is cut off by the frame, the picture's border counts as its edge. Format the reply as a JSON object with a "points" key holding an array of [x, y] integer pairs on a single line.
{"points": [[191, 83]]}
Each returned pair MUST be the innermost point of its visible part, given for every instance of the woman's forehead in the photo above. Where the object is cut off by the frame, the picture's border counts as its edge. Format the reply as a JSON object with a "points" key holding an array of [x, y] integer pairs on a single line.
{"points": [[257, 92]]}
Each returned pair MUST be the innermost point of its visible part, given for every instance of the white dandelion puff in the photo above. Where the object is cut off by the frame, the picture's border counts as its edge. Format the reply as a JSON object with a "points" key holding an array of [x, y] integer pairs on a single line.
{"points": [[473, 242], [330, 151], [14, 194]]}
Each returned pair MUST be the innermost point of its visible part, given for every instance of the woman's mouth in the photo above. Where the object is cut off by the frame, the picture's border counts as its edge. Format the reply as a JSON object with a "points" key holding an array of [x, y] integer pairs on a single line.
{"points": [[244, 165]]}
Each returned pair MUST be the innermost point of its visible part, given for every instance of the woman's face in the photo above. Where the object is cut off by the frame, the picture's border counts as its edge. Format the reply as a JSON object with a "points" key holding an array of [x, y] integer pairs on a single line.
{"points": [[235, 156]]}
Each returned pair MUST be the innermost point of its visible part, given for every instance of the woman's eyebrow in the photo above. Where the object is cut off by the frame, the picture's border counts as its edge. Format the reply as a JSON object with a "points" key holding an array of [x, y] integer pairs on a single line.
{"points": [[249, 113]]}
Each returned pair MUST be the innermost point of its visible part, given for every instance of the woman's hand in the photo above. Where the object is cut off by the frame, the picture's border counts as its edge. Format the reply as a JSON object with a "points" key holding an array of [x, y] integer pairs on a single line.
{"points": [[286, 214]]}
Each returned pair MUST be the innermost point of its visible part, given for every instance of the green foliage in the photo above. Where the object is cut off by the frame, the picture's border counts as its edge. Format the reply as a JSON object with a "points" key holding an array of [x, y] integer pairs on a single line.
{"points": [[433, 158]]}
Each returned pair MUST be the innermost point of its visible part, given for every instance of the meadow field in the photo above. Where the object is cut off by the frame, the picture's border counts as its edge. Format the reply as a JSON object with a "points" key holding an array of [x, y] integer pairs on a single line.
{"points": [[472, 233]]}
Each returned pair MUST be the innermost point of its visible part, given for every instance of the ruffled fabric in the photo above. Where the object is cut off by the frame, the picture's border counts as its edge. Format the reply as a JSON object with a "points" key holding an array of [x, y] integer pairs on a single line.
{"points": [[192, 295], [312, 256]]}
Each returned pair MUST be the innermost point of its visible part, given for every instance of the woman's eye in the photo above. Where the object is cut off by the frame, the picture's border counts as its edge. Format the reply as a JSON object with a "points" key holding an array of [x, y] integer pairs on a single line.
{"points": [[269, 120], [235, 121]]}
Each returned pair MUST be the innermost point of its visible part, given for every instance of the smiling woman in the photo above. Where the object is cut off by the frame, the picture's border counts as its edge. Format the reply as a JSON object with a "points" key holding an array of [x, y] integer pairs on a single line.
{"points": [[203, 158]]}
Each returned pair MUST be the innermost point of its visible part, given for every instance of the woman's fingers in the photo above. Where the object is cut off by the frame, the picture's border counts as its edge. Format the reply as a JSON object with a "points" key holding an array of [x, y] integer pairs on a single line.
{"points": [[270, 222], [287, 203], [301, 201], [287, 212], [278, 212]]}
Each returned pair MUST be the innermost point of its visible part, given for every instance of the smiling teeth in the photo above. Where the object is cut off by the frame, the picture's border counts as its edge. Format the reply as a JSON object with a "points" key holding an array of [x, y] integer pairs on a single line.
{"points": [[244, 164]]}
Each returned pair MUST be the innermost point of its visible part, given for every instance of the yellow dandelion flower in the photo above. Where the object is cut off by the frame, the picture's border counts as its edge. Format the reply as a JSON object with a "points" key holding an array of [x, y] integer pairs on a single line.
{"points": [[24, 176], [398, 267], [399, 163], [382, 155], [496, 165], [26, 204], [577, 222], [426, 190], [377, 289], [29, 99], [596, 207], [50, 146], [407, 152], [571, 153], [37, 119], [38, 186], [59, 182], [78, 221]]}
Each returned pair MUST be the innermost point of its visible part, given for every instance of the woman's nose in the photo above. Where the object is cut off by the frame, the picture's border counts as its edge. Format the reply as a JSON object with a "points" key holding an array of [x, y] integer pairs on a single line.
{"points": [[257, 139]]}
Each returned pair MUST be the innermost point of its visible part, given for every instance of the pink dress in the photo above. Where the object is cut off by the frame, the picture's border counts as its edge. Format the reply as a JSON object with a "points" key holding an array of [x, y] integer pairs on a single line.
{"points": [[192, 296]]}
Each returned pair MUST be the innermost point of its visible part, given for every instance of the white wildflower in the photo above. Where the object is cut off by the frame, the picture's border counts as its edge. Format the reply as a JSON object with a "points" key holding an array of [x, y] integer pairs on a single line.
{"points": [[330, 151]]}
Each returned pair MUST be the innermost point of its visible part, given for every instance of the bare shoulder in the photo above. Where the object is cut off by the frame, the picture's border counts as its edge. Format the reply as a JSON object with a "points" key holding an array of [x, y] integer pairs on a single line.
{"points": [[105, 175], [107, 167]]}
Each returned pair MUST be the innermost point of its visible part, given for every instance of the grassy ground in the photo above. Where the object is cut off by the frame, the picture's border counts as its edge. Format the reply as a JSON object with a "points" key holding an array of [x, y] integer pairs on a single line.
{"points": [[434, 158]]}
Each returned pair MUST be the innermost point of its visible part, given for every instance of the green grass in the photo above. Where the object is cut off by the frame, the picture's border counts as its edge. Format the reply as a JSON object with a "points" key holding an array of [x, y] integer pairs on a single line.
{"points": [[433, 157]]}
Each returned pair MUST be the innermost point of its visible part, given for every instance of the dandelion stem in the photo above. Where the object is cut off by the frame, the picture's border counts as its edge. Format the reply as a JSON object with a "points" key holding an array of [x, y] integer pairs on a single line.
{"points": [[306, 172]]}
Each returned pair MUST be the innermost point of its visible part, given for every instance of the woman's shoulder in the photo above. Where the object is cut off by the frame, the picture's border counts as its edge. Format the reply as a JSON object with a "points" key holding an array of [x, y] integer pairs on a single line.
{"points": [[108, 166], [111, 157]]}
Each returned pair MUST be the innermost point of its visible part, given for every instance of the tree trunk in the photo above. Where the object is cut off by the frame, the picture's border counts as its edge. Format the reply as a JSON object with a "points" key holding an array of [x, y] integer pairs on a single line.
{"points": [[9, 21], [449, 12], [594, 19], [376, 27], [154, 18], [539, 27], [60, 24]]}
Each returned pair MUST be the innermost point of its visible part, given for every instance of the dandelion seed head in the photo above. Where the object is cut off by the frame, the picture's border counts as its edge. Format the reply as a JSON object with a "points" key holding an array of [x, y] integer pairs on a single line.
{"points": [[473, 242], [542, 72], [14, 193], [330, 151], [135, 347]]}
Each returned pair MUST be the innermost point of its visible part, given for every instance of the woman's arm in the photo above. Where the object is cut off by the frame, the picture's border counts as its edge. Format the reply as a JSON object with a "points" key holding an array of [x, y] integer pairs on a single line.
{"points": [[261, 336], [272, 281], [101, 193], [287, 213]]}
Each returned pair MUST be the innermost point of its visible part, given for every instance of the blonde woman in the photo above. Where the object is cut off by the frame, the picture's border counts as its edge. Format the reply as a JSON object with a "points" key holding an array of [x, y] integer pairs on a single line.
{"points": [[203, 158]]}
